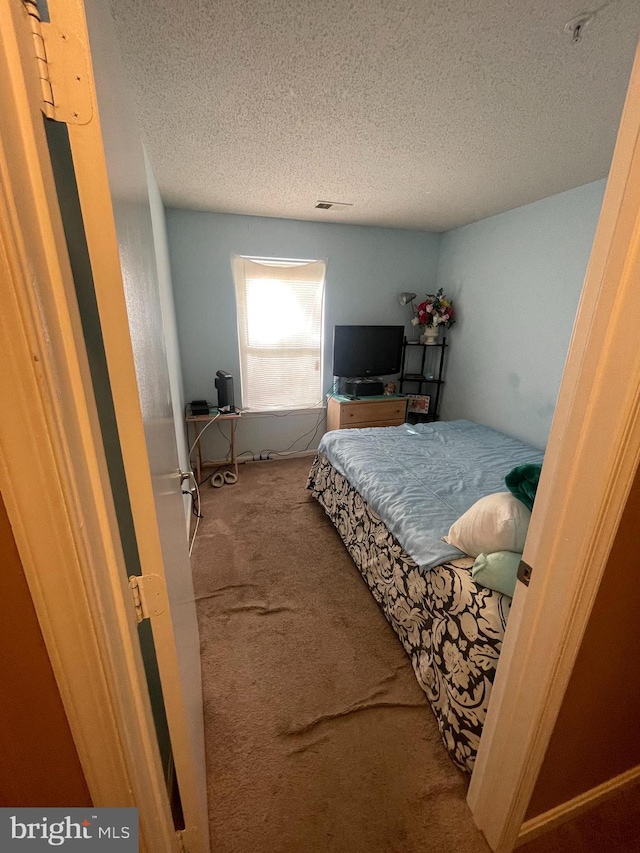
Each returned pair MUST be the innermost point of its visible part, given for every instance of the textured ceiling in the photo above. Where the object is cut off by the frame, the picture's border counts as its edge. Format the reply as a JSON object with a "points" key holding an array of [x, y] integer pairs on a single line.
{"points": [[423, 115]]}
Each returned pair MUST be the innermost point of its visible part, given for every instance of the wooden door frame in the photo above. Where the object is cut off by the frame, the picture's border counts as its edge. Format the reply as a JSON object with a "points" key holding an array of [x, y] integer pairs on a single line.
{"points": [[591, 460], [53, 474], [94, 193]]}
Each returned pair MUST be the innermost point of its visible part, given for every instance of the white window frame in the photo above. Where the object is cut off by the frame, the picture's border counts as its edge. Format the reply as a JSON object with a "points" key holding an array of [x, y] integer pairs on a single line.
{"points": [[313, 270]]}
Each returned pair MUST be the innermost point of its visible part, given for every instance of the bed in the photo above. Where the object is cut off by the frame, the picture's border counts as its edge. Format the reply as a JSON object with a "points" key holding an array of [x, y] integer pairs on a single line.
{"points": [[392, 494]]}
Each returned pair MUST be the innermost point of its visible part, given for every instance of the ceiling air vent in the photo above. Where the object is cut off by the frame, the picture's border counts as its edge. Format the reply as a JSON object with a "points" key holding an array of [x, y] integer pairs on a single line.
{"points": [[333, 205]]}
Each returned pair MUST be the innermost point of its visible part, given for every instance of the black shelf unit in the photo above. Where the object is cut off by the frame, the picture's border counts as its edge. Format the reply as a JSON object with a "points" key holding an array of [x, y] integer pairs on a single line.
{"points": [[428, 377]]}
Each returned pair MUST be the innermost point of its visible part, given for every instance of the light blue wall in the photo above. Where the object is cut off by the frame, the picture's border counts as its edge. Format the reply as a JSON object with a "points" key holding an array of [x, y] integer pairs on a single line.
{"points": [[516, 280], [366, 270]]}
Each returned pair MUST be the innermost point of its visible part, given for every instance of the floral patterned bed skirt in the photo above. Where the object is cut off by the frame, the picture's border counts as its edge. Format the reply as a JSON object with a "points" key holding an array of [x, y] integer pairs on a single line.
{"points": [[451, 628]]}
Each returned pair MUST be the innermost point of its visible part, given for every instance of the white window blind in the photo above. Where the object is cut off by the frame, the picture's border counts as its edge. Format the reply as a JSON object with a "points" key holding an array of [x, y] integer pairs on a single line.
{"points": [[280, 332]]}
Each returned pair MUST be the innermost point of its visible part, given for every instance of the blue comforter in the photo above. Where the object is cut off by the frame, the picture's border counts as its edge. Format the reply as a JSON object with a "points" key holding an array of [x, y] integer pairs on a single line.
{"points": [[421, 478]]}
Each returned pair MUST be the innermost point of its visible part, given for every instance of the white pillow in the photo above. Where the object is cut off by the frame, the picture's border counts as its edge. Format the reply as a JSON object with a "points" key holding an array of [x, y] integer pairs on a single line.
{"points": [[495, 523]]}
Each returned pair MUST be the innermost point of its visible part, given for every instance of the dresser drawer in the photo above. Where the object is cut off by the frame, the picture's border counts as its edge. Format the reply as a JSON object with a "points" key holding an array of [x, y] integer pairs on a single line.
{"points": [[395, 422], [380, 412]]}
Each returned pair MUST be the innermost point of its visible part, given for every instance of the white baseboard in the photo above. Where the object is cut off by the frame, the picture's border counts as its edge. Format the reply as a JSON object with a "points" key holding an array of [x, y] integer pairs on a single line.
{"points": [[288, 454], [540, 824]]}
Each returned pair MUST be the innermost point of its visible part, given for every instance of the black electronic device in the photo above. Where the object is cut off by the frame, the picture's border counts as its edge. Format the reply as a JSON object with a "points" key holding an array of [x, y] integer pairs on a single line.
{"points": [[364, 388], [199, 407], [224, 384], [364, 351]]}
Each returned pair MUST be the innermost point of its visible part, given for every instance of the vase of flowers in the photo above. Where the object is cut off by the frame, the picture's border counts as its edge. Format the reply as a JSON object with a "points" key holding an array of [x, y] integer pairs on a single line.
{"points": [[429, 335], [435, 312]]}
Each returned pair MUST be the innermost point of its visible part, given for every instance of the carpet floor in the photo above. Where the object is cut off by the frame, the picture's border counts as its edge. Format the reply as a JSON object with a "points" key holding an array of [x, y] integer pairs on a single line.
{"points": [[319, 739]]}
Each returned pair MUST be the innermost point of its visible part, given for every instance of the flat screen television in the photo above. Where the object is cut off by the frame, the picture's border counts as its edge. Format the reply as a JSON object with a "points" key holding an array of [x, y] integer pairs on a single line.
{"points": [[367, 350]]}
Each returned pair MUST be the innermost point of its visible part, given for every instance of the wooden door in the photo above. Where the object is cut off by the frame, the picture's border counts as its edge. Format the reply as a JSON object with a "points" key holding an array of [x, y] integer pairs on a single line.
{"points": [[590, 463], [62, 515], [111, 185], [40, 766]]}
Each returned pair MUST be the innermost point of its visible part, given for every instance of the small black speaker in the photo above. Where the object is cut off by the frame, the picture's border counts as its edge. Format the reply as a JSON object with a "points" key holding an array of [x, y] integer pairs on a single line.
{"points": [[364, 388], [199, 407], [224, 384]]}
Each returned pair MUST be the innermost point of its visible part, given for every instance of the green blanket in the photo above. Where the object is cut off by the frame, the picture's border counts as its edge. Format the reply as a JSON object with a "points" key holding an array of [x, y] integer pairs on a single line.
{"points": [[523, 482]]}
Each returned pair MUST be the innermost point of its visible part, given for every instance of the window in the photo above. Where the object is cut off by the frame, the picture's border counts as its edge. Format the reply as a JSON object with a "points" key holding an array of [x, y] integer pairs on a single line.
{"points": [[280, 332]]}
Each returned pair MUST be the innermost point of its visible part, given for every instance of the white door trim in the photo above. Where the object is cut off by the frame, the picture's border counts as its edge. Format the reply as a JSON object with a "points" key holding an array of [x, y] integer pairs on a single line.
{"points": [[53, 473], [590, 462]]}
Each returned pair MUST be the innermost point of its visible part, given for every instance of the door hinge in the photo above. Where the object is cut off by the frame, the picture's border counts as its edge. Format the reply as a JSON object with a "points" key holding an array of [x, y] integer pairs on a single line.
{"points": [[183, 839], [149, 595], [63, 69], [524, 572]]}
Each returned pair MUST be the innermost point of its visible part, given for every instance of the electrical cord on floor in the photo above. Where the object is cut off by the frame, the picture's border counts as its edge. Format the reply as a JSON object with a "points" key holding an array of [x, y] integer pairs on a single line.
{"points": [[249, 453], [197, 513]]}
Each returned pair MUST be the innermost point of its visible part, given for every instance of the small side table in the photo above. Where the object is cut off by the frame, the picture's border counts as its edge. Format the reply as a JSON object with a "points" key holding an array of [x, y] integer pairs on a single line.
{"points": [[199, 423]]}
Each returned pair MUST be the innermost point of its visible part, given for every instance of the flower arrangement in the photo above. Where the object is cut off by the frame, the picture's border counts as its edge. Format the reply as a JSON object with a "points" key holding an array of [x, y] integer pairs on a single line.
{"points": [[436, 310]]}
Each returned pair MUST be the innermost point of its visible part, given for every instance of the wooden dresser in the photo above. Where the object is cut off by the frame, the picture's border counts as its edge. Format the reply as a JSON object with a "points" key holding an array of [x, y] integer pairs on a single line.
{"points": [[343, 413]]}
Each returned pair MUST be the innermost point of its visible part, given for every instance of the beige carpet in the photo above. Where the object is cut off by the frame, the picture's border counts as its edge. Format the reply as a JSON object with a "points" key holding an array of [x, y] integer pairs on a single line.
{"points": [[319, 739], [318, 736]]}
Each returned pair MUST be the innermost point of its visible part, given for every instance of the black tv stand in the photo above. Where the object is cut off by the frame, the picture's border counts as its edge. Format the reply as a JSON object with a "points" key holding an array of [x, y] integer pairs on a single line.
{"points": [[370, 387], [425, 375]]}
